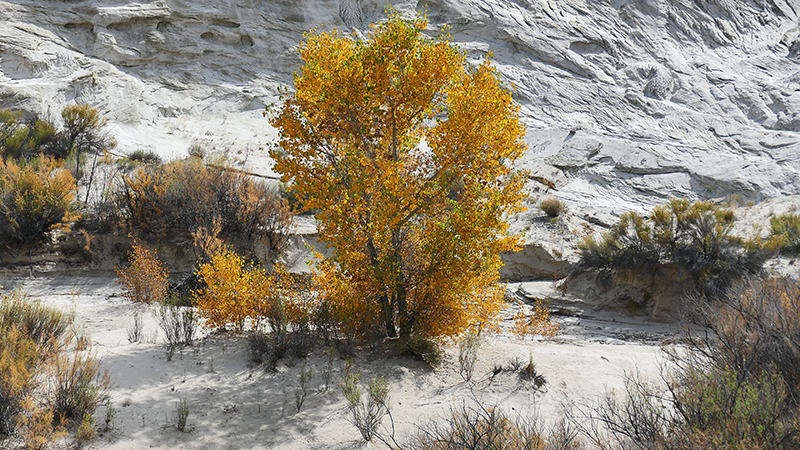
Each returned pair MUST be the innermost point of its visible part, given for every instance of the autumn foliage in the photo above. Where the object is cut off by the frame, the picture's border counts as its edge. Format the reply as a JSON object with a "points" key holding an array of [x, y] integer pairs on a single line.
{"points": [[36, 196], [404, 149], [239, 294], [145, 279]]}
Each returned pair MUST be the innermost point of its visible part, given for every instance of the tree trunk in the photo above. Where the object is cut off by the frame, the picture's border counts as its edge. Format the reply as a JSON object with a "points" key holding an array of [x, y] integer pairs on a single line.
{"points": [[388, 316], [406, 322]]}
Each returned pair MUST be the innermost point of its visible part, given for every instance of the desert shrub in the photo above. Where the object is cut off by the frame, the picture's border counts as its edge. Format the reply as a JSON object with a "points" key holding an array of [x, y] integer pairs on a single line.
{"points": [[300, 394], [424, 349], [529, 374], [785, 233], [552, 206], [36, 196], [31, 334], [478, 429], [80, 385], [735, 383], [196, 150], [693, 236], [39, 350], [178, 324], [82, 134], [366, 415], [145, 279], [19, 360], [43, 324], [21, 139], [536, 323], [468, 355], [183, 196], [36, 425], [135, 332], [702, 407], [87, 431], [144, 156], [182, 416], [754, 328]]}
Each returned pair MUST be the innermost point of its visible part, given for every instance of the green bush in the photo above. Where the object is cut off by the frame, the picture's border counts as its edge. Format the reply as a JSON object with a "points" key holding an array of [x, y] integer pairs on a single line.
{"points": [[25, 139], [692, 236]]}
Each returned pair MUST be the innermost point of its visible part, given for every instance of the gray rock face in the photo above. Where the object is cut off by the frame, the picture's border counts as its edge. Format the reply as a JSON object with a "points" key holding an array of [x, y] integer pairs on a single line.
{"points": [[627, 102]]}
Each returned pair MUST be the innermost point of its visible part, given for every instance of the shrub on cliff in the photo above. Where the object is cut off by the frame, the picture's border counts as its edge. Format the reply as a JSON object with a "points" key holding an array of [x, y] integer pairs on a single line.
{"points": [[785, 233], [692, 236], [25, 139]]}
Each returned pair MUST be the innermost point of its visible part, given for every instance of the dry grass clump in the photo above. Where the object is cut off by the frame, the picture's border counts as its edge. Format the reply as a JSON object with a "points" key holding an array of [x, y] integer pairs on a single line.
{"points": [[552, 206], [48, 376], [184, 196], [483, 428]]}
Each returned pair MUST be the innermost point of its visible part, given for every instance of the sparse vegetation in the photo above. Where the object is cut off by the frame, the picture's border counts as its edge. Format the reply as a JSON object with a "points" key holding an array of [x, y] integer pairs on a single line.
{"points": [[695, 237], [468, 354], [552, 206], [145, 279], [366, 415], [301, 393], [135, 333], [178, 324], [182, 416]]}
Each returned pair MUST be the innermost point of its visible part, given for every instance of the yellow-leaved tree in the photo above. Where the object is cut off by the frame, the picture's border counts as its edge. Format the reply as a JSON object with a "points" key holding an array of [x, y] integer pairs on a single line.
{"points": [[404, 148]]}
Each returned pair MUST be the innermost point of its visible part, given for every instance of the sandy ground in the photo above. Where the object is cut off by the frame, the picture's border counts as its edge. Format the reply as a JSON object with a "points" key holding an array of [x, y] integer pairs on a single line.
{"points": [[236, 406]]}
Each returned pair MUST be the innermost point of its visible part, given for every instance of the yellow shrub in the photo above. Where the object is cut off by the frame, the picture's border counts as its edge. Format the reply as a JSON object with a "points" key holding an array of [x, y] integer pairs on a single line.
{"points": [[237, 291], [146, 278], [536, 323], [35, 197]]}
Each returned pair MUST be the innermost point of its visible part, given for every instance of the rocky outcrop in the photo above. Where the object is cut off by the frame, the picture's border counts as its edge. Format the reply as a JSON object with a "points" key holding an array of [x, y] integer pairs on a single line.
{"points": [[627, 102]]}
